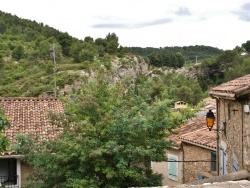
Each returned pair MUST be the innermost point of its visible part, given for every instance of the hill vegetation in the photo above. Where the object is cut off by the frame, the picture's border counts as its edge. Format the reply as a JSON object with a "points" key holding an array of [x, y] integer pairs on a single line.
{"points": [[27, 67], [117, 94]]}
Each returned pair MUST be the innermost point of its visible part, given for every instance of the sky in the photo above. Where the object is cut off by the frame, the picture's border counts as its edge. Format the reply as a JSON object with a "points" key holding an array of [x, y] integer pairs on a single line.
{"points": [[223, 24]]}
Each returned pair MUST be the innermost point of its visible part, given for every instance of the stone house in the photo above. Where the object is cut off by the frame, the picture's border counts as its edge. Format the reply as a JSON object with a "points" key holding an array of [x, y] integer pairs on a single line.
{"points": [[180, 105], [199, 152], [195, 148], [26, 116], [233, 120]]}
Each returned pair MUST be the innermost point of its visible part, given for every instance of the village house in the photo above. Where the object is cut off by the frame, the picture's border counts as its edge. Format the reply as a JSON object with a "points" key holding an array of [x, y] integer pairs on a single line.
{"points": [[27, 116], [194, 151], [196, 147], [233, 120], [180, 105]]}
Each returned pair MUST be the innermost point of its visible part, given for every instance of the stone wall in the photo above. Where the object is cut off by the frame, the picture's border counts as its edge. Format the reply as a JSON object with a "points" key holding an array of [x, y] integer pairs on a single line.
{"points": [[234, 142], [246, 140], [191, 170], [26, 170]]}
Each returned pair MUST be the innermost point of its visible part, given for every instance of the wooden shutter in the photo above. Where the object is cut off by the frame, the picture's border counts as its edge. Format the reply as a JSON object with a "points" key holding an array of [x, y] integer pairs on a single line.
{"points": [[172, 170]]}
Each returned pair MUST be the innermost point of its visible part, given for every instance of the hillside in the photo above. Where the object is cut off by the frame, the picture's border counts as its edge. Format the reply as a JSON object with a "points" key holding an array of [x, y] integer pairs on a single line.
{"points": [[28, 67], [190, 53]]}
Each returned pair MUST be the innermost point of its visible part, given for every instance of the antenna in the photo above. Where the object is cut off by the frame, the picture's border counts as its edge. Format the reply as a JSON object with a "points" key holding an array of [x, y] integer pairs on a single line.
{"points": [[54, 69]]}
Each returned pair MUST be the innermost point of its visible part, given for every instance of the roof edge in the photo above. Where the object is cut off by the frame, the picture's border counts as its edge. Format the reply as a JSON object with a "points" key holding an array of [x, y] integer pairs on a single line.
{"points": [[230, 96], [200, 145], [26, 98]]}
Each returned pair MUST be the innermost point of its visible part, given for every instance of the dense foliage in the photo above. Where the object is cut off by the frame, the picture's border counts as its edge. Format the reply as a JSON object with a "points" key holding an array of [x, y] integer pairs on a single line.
{"points": [[111, 134], [4, 123], [26, 63], [227, 66], [166, 56], [111, 131]]}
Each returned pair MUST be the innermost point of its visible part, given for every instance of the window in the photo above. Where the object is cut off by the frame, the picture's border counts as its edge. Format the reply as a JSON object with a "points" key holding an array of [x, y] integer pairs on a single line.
{"points": [[235, 166], [213, 164], [172, 167], [223, 161], [228, 108], [8, 172]]}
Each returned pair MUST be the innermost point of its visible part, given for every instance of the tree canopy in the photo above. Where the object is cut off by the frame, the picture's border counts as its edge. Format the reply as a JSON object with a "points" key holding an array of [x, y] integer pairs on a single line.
{"points": [[4, 123], [111, 133]]}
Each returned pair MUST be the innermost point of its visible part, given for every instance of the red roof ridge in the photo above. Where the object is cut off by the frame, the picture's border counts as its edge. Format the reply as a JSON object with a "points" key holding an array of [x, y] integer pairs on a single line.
{"points": [[26, 98], [30, 116]]}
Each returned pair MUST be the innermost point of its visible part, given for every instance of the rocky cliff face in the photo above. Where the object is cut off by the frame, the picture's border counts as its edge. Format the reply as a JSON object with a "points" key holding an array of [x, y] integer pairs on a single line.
{"points": [[128, 67], [122, 68]]}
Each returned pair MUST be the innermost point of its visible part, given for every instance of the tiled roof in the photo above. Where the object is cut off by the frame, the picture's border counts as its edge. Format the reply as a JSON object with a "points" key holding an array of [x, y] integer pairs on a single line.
{"points": [[202, 137], [30, 116], [195, 130], [233, 88]]}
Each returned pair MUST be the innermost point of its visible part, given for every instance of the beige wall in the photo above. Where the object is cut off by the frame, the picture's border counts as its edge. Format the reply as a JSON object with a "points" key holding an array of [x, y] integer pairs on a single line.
{"points": [[162, 168], [191, 170]]}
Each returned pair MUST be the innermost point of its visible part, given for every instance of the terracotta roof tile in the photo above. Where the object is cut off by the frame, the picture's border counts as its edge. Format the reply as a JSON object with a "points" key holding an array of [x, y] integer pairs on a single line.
{"points": [[195, 130], [30, 116], [202, 137], [233, 87]]}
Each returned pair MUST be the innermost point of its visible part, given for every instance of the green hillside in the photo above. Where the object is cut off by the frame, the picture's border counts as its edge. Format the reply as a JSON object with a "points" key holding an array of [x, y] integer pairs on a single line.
{"points": [[27, 65]]}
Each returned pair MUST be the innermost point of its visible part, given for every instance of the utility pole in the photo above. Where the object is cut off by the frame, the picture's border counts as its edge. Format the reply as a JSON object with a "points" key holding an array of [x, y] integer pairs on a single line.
{"points": [[54, 69]]}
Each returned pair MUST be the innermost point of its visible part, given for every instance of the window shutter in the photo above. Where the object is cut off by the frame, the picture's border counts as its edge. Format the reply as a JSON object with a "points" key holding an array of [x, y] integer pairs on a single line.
{"points": [[172, 167], [235, 166]]}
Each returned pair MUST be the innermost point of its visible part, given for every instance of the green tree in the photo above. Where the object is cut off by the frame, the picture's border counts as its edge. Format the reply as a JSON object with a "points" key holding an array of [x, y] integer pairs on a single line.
{"points": [[75, 50], [154, 58], [3, 27], [111, 133], [1, 62], [180, 59], [112, 43], [246, 46], [65, 40], [18, 52], [4, 123], [44, 49], [88, 52]]}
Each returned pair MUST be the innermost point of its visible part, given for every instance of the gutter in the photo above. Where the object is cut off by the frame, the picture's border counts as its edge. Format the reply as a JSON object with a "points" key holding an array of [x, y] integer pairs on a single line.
{"points": [[11, 156], [217, 137]]}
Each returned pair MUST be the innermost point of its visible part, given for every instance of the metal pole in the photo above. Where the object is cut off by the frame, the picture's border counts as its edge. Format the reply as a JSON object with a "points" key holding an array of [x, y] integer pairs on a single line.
{"points": [[54, 57]]}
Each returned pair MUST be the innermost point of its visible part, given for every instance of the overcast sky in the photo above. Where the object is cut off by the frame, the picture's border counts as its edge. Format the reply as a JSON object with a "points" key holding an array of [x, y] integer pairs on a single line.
{"points": [[143, 23]]}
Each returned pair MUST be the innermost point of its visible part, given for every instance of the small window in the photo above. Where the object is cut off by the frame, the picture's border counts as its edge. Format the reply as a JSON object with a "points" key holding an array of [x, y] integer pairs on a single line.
{"points": [[213, 164], [235, 166], [8, 171], [228, 108], [172, 167]]}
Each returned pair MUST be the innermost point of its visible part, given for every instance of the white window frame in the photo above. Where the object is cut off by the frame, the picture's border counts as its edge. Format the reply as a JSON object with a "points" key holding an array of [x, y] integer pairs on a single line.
{"points": [[175, 157], [18, 170]]}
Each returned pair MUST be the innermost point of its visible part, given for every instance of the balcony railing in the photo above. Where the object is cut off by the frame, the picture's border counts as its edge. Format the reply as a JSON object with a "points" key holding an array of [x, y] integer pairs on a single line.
{"points": [[9, 181]]}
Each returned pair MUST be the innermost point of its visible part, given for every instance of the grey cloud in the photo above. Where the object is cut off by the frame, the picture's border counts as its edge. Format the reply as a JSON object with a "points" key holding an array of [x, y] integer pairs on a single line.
{"points": [[154, 22], [108, 25], [133, 25], [183, 11], [246, 7], [244, 13]]}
